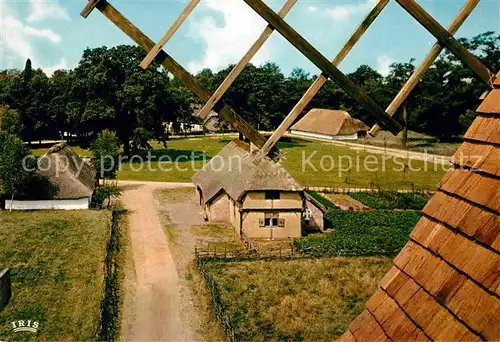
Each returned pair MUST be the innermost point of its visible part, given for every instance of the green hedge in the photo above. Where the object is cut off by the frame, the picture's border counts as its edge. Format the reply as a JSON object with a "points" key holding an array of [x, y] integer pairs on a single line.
{"points": [[321, 199], [361, 233], [391, 200]]}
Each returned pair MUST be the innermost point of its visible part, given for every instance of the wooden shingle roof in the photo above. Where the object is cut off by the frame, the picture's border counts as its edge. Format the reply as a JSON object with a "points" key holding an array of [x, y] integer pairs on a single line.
{"points": [[445, 283]]}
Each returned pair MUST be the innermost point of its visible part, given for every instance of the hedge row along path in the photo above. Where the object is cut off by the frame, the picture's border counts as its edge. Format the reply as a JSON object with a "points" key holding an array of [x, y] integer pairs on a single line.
{"points": [[153, 310]]}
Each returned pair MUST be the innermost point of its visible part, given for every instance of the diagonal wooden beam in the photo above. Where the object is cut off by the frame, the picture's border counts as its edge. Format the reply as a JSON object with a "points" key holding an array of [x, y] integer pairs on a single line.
{"points": [[89, 8], [445, 38], [226, 113], [171, 31], [221, 90], [324, 65], [321, 80], [412, 82]]}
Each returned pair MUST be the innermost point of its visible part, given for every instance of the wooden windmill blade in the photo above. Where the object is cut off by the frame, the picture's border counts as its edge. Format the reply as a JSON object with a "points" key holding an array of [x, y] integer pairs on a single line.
{"points": [[164, 40], [321, 80], [445, 38], [324, 65], [228, 81], [431, 57], [226, 113]]}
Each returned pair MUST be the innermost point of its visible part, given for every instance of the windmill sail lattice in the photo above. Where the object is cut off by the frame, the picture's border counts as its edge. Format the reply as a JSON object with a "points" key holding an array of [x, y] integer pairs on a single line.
{"points": [[445, 284]]}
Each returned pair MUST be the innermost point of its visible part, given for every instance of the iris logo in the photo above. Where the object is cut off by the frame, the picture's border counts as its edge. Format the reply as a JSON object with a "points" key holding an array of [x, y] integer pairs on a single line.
{"points": [[25, 325]]}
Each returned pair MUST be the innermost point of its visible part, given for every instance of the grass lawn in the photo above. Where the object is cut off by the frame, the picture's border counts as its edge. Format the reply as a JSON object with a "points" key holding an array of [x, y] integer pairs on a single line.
{"points": [[309, 162], [57, 264], [179, 162], [78, 150], [305, 164], [303, 299], [417, 142], [312, 163]]}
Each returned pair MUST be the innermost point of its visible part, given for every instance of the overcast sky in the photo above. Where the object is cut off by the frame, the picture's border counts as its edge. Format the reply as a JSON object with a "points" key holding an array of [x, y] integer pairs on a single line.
{"points": [[53, 35]]}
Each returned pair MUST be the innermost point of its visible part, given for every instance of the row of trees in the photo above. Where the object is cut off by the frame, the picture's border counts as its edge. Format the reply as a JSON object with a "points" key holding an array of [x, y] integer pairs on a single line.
{"points": [[441, 105], [107, 90]]}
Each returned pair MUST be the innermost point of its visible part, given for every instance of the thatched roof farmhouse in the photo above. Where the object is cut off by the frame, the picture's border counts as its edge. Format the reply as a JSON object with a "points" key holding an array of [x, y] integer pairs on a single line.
{"points": [[259, 198], [65, 180], [330, 125]]}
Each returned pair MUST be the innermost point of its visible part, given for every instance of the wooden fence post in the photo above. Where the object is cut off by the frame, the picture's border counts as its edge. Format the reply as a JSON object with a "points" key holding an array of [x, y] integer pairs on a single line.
{"points": [[5, 288]]}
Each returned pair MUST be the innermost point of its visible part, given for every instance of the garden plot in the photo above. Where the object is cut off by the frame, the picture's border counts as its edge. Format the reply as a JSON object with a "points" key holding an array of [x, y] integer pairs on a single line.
{"points": [[302, 299]]}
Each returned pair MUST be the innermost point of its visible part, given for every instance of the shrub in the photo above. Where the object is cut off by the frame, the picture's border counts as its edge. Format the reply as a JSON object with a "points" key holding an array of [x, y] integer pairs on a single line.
{"points": [[369, 200], [391, 200], [410, 201], [361, 233], [103, 193], [105, 152]]}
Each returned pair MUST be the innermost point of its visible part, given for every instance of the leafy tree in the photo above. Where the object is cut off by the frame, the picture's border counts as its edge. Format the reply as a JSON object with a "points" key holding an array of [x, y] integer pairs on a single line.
{"points": [[10, 121], [105, 154], [28, 71], [117, 94], [399, 74], [141, 138], [29, 95], [7, 77], [107, 90], [16, 169]]}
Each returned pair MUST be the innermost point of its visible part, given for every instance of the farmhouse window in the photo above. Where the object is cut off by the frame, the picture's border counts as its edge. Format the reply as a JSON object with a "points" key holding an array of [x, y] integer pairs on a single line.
{"points": [[270, 220], [272, 195]]}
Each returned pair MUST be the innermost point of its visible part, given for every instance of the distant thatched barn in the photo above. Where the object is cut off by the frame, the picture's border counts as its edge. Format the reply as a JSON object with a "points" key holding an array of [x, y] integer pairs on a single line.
{"points": [[65, 182], [330, 125], [260, 198]]}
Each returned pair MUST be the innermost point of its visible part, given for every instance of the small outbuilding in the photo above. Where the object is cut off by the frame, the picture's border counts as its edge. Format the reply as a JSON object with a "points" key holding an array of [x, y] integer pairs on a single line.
{"points": [[314, 217], [257, 196], [329, 125], [64, 182]]}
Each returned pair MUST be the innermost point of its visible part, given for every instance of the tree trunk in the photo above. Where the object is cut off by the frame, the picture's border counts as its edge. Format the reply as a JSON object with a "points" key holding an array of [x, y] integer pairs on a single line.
{"points": [[405, 127], [126, 146], [11, 201]]}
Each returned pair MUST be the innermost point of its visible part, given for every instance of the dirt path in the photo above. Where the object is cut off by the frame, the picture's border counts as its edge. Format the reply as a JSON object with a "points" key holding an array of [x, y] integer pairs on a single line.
{"points": [[153, 311]]}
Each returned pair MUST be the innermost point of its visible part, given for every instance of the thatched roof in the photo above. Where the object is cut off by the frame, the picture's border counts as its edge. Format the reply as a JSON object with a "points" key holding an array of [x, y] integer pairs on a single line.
{"points": [[234, 171], [212, 120], [445, 283], [329, 122], [69, 176]]}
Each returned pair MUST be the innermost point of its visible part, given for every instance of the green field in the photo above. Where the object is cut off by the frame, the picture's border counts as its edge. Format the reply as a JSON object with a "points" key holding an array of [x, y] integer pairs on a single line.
{"points": [[78, 150], [57, 264], [417, 142], [295, 300], [361, 233], [311, 163]]}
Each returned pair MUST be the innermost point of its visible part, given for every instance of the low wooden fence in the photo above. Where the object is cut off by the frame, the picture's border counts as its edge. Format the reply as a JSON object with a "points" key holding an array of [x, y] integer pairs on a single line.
{"points": [[220, 310], [5, 288], [338, 190], [211, 253]]}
